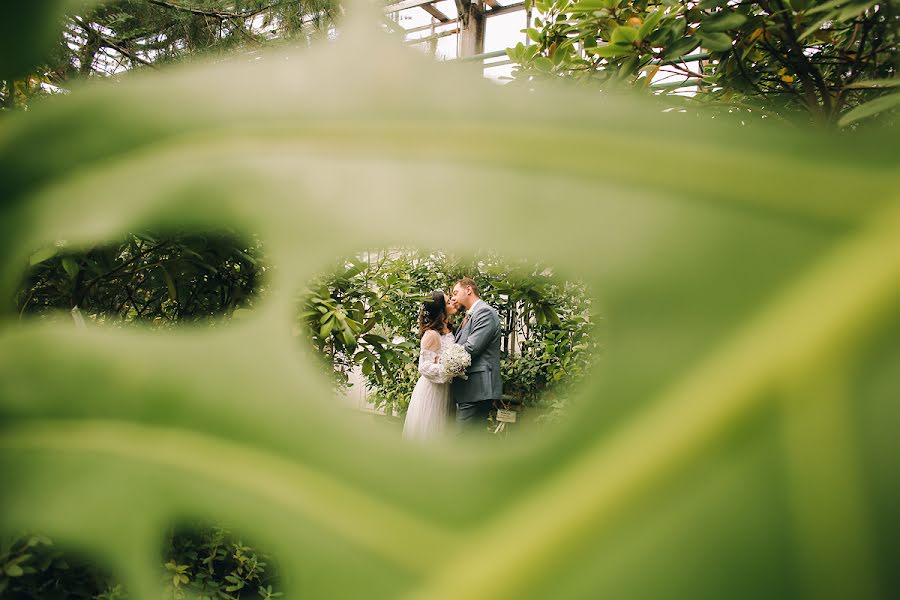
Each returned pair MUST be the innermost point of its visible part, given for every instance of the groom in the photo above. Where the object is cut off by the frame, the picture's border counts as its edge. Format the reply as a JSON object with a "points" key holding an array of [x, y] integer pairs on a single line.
{"points": [[480, 336]]}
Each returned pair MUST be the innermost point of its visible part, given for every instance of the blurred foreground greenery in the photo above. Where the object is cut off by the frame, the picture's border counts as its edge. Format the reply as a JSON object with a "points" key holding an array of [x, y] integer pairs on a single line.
{"points": [[738, 440]]}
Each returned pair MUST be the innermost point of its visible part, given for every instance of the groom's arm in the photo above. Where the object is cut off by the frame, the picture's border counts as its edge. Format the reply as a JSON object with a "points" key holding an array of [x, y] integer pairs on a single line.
{"points": [[483, 329]]}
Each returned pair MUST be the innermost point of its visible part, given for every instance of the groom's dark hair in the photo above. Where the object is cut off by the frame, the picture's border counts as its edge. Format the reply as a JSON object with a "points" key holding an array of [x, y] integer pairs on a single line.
{"points": [[468, 282]]}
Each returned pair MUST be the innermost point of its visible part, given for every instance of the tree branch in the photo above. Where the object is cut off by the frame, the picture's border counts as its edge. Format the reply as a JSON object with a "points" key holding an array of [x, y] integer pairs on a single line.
{"points": [[218, 14], [109, 43], [125, 264], [807, 70]]}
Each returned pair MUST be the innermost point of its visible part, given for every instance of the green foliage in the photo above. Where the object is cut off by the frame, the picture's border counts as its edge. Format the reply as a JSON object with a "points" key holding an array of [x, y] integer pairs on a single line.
{"points": [[209, 563], [366, 314], [808, 60], [147, 277], [32, 567], [202, 562], [553, 363], [106, 38]]}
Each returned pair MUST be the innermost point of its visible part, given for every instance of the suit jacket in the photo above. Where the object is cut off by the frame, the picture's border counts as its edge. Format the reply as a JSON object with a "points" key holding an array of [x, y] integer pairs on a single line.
{"points": [[481, 338]]}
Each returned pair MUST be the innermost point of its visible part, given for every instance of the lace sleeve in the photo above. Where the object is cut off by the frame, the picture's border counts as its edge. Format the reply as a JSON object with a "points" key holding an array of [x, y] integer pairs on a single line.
{"points": [[429, 368]]}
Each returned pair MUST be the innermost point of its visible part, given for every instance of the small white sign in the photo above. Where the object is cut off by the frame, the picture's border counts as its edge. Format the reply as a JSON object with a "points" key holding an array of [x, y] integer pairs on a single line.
{"points": [[506, 416]]}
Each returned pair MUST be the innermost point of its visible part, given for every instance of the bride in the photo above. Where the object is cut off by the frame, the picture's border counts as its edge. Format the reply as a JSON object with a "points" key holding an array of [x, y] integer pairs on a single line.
{"points": [[429, 405]]}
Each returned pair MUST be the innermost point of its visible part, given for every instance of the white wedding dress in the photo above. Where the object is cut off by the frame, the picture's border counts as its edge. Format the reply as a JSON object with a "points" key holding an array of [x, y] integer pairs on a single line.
{"points": [[429, 406]]}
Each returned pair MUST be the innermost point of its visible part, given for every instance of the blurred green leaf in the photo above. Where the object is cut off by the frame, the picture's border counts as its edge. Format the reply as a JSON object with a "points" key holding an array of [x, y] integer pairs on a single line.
{"points": [[722, 21], [870, 108], [624, 35], [42, 255], [70, 266], [718, 42], [649, 24], [752, 325], [609, 50]]}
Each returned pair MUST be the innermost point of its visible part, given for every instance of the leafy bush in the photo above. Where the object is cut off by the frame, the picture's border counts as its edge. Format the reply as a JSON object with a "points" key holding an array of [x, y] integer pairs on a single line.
{"points": [[210, 563], [367, 314], [827, 62], [151, 277], [205, 561], [32, 567]]}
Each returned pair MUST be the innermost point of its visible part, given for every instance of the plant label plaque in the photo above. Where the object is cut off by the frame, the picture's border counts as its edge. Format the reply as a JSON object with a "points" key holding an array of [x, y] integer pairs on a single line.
{"points": [[506, 416]]}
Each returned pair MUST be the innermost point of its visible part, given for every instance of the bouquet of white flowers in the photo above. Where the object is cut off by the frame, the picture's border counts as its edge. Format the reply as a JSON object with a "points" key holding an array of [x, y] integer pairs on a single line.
{"points": [[455, 360]]}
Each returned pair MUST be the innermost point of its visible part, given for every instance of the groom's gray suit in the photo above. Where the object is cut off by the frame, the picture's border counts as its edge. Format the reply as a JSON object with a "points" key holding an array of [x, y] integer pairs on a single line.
{"points": [[480, 336]]}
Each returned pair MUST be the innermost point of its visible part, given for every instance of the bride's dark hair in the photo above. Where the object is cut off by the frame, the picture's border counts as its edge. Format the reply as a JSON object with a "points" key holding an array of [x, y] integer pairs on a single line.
{"points": [[433, 313]]}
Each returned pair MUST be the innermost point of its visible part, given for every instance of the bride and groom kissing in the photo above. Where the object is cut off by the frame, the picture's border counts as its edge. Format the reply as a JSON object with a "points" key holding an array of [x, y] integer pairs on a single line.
{"points": [[473, 391]]}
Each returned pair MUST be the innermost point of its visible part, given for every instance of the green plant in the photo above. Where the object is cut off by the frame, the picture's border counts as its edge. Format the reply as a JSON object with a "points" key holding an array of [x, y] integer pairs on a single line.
{"points": [[33, 567], [829, 62], [203, 561], [209, 563], [106, 39], [147, 277], [366, 314]]}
